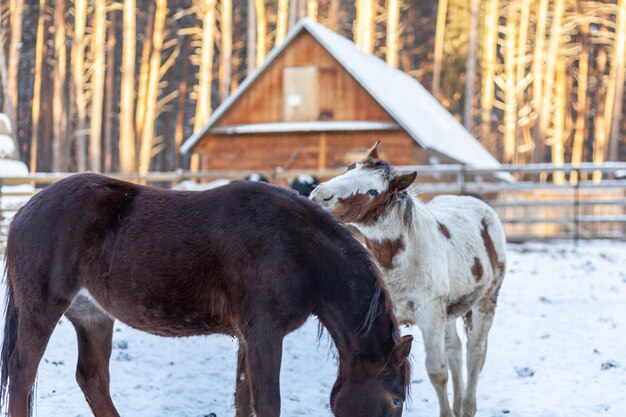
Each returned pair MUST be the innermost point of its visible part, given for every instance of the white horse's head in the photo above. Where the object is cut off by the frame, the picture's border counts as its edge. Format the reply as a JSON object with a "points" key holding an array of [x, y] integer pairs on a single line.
{"points": [[364, 192]]}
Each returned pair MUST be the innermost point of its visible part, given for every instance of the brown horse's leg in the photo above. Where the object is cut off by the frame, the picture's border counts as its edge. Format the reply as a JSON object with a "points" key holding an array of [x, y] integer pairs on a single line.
{"points": [[94, 329], [264, 351], [243, 402], [34, 329]]}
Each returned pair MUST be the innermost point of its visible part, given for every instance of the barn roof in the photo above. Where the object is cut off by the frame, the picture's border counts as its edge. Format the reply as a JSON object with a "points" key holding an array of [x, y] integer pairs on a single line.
{"points": [[403, 97]]}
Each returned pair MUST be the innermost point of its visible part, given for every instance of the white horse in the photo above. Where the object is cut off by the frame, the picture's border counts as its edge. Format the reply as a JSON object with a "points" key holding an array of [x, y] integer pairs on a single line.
{"points": [[440, 261]]}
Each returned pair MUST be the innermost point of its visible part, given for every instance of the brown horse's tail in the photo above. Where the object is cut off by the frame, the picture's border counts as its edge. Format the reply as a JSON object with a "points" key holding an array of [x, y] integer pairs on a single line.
{"points": [[8, 344], [9, 339]]}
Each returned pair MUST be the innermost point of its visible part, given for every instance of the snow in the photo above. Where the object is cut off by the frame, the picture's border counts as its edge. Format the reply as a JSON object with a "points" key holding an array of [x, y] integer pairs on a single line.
{"points": [[7, 147], [557, 348]]}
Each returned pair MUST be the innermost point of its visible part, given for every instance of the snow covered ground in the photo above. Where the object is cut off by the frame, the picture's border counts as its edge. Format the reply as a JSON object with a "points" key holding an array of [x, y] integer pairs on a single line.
{"points": [[557, 349]]}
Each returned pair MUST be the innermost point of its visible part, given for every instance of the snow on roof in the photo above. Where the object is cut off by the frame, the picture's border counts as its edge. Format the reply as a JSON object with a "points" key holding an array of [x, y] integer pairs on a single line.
{"points": [[405, 99], [314, 126]]}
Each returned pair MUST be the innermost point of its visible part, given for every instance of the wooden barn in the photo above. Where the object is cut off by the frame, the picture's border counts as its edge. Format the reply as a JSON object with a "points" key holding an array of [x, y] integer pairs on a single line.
{"points": [[319, 102]]}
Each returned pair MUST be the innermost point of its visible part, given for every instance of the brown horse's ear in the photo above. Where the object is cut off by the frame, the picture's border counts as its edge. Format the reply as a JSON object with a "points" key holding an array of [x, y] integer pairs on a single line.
{"points": [[402, 181], [404, 348], [373, 152]]}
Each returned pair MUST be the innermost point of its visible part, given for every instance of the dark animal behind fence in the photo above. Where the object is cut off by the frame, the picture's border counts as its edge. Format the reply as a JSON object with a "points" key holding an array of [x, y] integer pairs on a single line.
{"points": [[247, 259]]}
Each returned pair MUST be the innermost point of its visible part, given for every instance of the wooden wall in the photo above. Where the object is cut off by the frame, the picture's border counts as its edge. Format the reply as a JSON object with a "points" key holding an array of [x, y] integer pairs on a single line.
{"points": [[305, 150]]}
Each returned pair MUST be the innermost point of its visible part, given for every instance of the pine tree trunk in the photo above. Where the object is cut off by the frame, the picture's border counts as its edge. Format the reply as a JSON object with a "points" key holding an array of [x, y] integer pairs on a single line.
{"points": [[179, 132], [548, 86], [127, 94], [599, 128], [78, 79], [36, 103], [581, 97], [281, 21], [16, 11], [489, 70], [144, 70], [203, 103], [251, 44], [261, 32], [58, 99], [538, 69], [440, 34], [97, 95], [226, 52], [470, 75], [368, 23], [510, 90], [560, 108], [109, 96], [615, 91], [311, 9], [393, 28], [147, 134], [334, 10]]}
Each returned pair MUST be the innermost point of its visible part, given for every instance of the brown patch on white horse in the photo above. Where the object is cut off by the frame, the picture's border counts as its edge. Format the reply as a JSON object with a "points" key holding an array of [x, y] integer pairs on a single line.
{"points": [[477, 269], [431, 281], [385, 250]]}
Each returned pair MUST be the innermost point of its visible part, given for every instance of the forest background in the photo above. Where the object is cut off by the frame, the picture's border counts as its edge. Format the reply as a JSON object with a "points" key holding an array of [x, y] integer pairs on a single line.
{"points": [[118, 86]]}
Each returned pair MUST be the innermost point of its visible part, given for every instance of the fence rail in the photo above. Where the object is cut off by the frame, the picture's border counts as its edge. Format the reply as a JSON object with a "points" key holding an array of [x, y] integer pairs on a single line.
{"points": [[530, 209]]}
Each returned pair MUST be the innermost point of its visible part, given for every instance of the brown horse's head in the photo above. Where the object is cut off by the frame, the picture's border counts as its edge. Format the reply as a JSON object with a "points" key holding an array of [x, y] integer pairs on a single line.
{"points": [[366, 389], [364, 192]]}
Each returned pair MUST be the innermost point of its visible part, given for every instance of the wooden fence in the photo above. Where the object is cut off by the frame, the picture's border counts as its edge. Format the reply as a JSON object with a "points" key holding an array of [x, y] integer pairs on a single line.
{"points": [[530, 207]]}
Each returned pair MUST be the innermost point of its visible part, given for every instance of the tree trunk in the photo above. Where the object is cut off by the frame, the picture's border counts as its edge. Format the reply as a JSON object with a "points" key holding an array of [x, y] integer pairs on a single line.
{"points": [[560, 108], [489, 70], [470, 75], [59, 113], [16, 11], [109, 96], [203, 103], [144, 70], [440, 34], [261, 32], [510, 87], [581, 106], [311, 9], [78, 79], [615, 91], [97, 95], [393, 28], [281, 21], [599, 140], [368, 24], [147, 134], [226, 52], [548, 86], [36, 104], [334, 11], [251, 44], [127, 94], [182, 105]]}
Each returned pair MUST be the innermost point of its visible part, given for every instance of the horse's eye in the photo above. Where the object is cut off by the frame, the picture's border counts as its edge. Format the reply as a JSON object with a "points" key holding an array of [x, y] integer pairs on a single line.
{"points": [[396, 402], [373, 193]]}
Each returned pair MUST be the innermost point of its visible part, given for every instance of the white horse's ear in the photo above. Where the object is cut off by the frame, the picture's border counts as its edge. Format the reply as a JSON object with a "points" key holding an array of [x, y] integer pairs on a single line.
{"points": [[402, 182], [373, 152], [404, 348]]}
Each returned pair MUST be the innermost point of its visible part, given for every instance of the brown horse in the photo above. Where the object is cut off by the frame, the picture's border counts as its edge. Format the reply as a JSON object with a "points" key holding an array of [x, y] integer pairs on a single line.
{"points": [[248, 259]]}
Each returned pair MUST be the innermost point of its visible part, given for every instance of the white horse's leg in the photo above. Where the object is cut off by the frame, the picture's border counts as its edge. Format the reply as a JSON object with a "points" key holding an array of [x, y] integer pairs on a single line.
{"points": [[454, 352], [482, 317], [432, 323]]}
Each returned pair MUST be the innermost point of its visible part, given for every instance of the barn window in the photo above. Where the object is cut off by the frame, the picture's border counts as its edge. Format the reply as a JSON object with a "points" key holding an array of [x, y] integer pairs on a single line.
{"points": [[328, 87], [301, 93]]}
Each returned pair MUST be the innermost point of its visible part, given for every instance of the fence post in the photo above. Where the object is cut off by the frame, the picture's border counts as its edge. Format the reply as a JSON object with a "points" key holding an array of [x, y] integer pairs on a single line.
{"points": [[576, 206]]}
